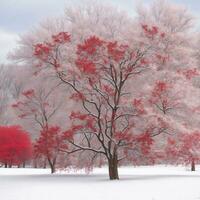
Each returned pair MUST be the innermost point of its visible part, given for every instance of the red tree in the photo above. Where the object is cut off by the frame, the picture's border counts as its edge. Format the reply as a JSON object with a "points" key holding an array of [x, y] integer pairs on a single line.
{"points": [[41, 107], [184, 149], [100, 80], [49, 144], [15, 146]]}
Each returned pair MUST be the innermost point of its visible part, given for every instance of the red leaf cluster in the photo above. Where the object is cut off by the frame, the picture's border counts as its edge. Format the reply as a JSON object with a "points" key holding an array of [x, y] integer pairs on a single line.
{"points": [[15, 145], [86, 66], [87, 120], [115, 51], [191, 73], [42, 50], [150, 30], [47, 51], [90, 45], [186, 149], [77, 96], [138, 105], [61, 37], [49, 142], [29, 93], [145, 140]]}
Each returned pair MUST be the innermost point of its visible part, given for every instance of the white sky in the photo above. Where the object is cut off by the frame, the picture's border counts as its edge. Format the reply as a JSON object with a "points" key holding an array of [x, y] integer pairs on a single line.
{"points": [[18, 16]]}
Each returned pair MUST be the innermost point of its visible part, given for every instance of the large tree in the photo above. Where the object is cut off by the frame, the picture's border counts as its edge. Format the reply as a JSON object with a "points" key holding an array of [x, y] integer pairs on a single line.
{"points": [[99, 79]]}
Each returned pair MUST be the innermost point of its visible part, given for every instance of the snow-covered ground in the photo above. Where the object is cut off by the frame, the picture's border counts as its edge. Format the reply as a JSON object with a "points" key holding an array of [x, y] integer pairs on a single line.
{"points": [[140, 183]]}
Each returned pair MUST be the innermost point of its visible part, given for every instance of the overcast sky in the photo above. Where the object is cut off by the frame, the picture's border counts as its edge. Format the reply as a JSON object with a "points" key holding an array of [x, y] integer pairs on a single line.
{"points": [[18, 16]]}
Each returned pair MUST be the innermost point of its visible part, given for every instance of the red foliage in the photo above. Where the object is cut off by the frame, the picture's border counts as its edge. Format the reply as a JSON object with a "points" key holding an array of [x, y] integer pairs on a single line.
{"points": [[77, 96], [160, 87], [108, 89], [42, 50], [161, 58], [162, 35], [49, 142], [95, 55], [15, 145], [151, 31], [190, 73], [47, 51], [190, 146], [28, 93], [144, 61], [115, 51], [86, 120], [61, 37], [138, 105], [90, 45], [145, 140], [124, 136], [163, 98], [86, 66], [78, 115], [69, 134], [185, 149]]}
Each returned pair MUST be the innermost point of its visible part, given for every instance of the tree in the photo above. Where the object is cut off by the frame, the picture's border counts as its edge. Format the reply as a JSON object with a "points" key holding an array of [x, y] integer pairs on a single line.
{"points": [[184, 149], [38, 105], [99, 82], [41, 108], [49, 144], [15, 146]]}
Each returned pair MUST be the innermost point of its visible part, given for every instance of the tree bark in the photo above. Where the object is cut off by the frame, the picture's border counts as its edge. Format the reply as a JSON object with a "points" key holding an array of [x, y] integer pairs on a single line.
{"points": [[113, 168], [52, 165], [53, 170], [193, 165], [6, 165], [35, 164], [45, 164]]}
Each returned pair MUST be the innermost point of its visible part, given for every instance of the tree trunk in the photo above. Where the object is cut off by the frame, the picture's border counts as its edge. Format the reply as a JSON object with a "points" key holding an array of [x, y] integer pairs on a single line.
{"points": [[45, 164], [35, 164], [53, 170], [113, 168], [24, 164], [6, 165], [192, 165], [52, 165]]}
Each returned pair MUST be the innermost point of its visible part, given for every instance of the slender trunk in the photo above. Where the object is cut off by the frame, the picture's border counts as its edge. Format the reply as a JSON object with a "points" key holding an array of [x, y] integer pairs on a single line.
{"points": [[193, 165], [6, 165], [45, 164], [113, 168], [35, 164], [53, 170], [52, 165]]}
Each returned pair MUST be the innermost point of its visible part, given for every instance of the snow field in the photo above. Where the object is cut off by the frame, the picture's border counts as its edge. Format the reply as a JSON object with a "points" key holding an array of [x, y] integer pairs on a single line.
{"points": [[136, 183]]}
